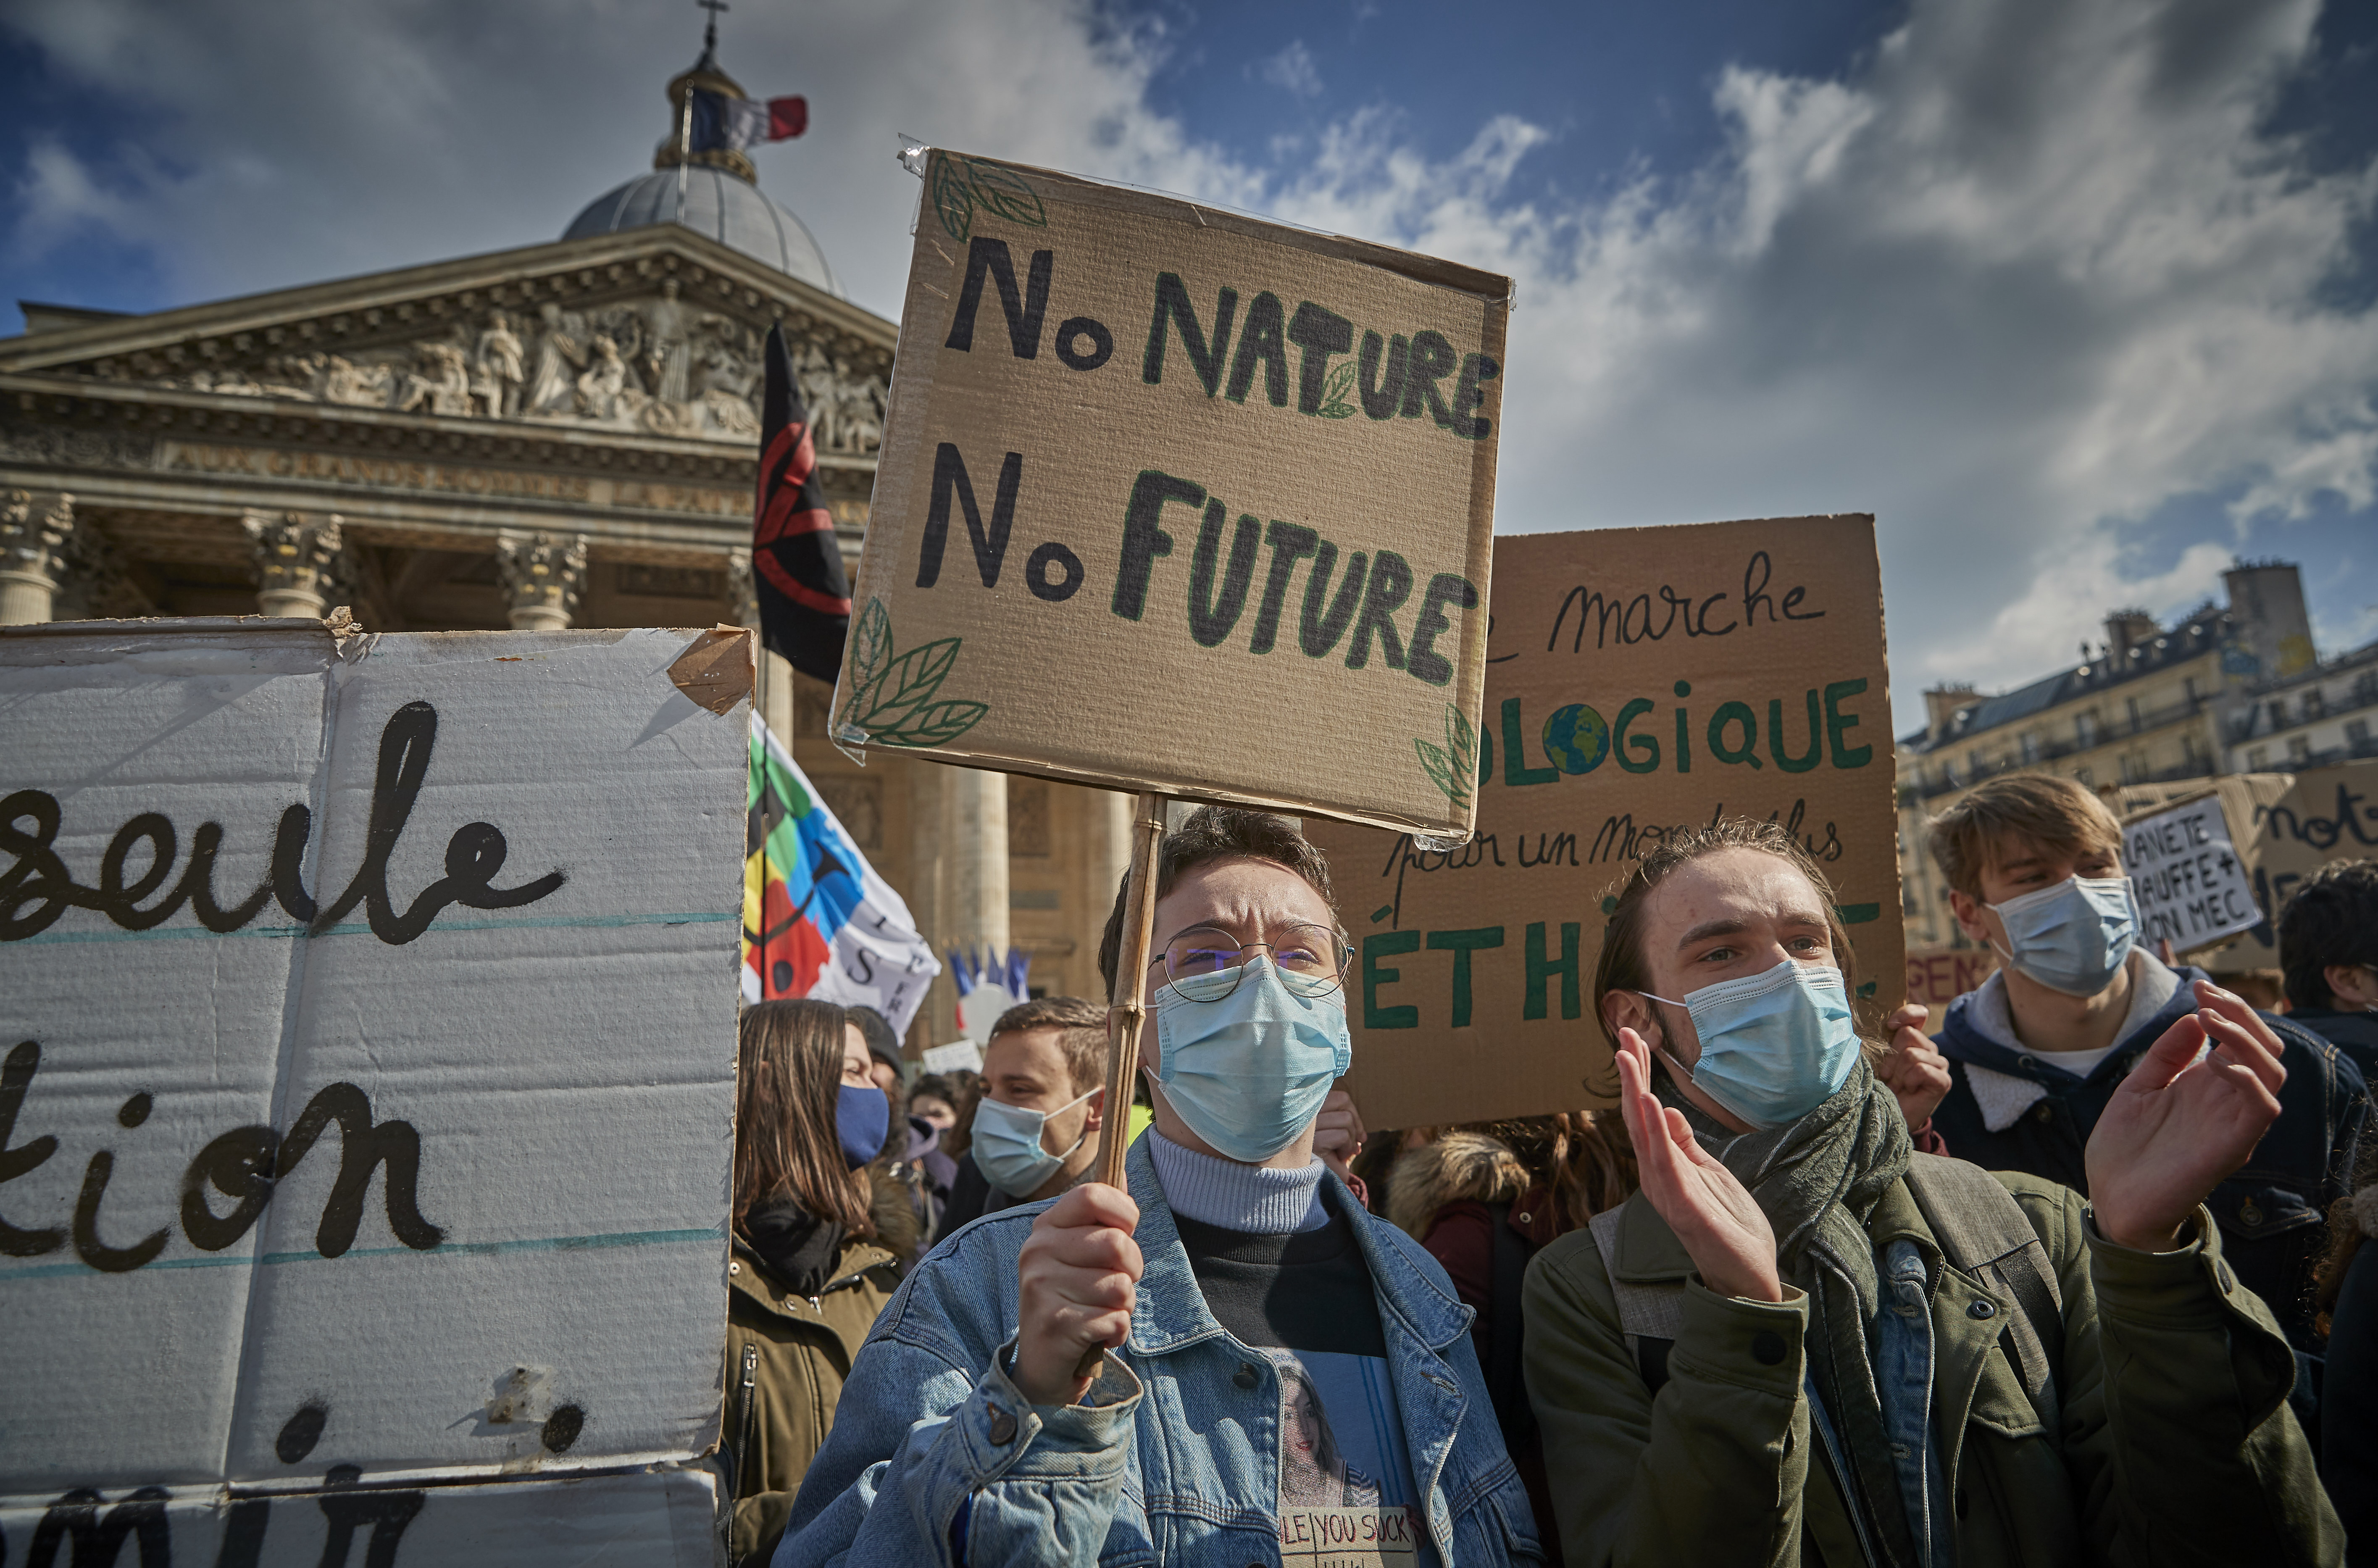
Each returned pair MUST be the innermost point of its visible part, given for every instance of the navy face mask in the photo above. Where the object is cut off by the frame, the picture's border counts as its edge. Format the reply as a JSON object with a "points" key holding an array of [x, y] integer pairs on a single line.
{"points": [[861, 1118]]}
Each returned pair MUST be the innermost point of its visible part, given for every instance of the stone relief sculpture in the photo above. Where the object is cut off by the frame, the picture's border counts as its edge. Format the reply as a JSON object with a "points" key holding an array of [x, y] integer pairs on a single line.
{"points": [[659, 365]]}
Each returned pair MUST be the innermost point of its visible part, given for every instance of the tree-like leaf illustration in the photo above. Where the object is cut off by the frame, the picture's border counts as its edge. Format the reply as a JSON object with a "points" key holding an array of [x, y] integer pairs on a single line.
{"points": [[931, 726], [952, 198], [1004, 192], [870, 653], [909, 683], [1452, 766], [1334, 390]]}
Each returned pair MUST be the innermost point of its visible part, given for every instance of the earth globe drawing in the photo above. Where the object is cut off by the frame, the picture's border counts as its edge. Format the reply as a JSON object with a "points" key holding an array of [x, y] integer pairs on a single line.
{"points": [[1575, 738]]}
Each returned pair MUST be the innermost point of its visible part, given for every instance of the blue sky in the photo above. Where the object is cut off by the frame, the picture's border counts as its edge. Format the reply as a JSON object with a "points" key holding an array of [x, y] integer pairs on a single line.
{"points": [[2076, 295]]}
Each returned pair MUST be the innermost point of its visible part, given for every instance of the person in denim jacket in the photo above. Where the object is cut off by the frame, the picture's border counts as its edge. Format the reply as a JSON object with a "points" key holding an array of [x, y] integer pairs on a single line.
{"points": [[1272, 1371], [2034, 870]]}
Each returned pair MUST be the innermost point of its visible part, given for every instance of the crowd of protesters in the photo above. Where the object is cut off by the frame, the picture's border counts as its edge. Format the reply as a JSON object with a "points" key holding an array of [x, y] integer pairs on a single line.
{"points": [[2078, 1278]]}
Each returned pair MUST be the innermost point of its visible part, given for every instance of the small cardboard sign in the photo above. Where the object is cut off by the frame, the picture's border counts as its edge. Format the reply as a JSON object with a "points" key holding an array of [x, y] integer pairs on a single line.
{"points": [[1639, 681], [2289, 826], [367, 1011], [1176, 500], [2192, 887]]}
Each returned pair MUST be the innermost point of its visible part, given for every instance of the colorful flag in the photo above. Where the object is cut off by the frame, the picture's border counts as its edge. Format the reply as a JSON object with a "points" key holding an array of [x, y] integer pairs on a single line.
{"points": [[729, 125], [796, 560], [817, 920]]}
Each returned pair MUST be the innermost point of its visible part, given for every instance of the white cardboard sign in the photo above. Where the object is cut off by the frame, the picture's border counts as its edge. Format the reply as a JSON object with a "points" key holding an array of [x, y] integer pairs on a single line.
{"points": [[367, 1011], [2190, 886]]}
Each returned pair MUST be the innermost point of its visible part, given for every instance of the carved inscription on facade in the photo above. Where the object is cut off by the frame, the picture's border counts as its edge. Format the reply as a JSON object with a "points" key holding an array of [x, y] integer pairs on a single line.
{"points": [[453, 478]]}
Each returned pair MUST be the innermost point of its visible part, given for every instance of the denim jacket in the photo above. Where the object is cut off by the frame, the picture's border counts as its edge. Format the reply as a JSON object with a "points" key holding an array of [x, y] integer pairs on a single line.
{"points": [[2271, 1211], [1172, 1457]]}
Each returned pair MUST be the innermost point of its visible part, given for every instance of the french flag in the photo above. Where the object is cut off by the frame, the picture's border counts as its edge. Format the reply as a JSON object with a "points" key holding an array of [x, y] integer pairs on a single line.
{"points": [[730, 124]]}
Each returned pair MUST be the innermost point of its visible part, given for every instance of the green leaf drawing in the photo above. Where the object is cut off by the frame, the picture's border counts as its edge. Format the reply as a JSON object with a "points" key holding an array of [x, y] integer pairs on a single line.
{"points": [[892, 696], [952, 199], [1452, 766], [931, 726], [1334, 390], [1003, 191], [870, 652]]}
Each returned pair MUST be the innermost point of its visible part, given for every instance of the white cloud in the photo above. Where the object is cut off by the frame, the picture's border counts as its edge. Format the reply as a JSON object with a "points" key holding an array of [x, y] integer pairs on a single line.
{"points": [[1293, 70], [2026, 275]]}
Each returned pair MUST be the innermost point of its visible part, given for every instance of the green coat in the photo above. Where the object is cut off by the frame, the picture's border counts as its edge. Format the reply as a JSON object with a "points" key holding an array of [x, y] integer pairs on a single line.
{"points": [[2169, 1438], [786, 1358]]}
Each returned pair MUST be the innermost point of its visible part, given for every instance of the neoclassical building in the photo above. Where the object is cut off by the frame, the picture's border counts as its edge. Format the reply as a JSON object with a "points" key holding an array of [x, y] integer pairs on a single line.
{"points": [[555, 436]]}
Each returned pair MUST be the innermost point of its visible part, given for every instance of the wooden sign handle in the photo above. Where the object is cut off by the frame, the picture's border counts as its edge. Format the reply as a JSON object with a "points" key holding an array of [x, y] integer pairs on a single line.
{"points": [[1128, 1013]]}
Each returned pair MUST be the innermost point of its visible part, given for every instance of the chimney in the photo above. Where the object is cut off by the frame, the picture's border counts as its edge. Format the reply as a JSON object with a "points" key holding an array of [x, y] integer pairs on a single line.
{"points": [[2266, 603], [2126, 629], [1940, 705]]}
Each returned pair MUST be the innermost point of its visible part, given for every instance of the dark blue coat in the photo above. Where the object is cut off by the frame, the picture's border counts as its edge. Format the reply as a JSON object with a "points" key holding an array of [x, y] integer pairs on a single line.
{"points": [[2355, 1034], [2271, 1212], [2348, 1408]]}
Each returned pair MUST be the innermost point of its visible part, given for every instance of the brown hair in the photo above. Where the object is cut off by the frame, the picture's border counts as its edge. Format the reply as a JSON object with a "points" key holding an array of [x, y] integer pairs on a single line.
{"points": [[1221, 832], [1621, 965], [2346, 1232], [2057, 814], [787, 1076], [1584, 1158], [1081, 1026]]}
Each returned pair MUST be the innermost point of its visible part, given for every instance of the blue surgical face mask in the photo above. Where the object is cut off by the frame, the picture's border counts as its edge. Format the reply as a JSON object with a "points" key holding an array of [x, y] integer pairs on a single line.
{"points": [[861, 1117], [1775, 1045], [1248, 1071], [1006, 1145], [2073, 936]]}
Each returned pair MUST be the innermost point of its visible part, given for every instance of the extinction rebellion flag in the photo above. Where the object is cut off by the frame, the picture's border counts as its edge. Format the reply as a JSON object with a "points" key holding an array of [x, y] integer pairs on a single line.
{"points": [[796, 561], [817, 920]]}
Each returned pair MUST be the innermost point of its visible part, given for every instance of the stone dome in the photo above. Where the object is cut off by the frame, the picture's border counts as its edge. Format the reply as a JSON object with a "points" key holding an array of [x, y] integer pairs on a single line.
{"points": [[714, 202]]}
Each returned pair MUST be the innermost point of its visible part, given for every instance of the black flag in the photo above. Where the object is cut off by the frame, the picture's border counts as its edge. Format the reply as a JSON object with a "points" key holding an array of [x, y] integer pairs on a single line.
{"points": [[796, 562]]}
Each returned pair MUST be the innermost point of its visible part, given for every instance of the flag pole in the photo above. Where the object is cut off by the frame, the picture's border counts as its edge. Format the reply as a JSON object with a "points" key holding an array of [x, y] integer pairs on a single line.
{"points": [[1127, 1014]]}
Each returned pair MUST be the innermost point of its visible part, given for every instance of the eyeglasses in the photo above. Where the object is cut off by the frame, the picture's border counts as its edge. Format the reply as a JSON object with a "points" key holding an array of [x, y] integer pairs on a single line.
{"points": [[1206, 963]]}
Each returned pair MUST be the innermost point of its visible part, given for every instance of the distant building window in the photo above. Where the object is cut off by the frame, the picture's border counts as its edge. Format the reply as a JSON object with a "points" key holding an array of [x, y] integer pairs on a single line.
{"points": [[2278, 714], [2085, 727], [1973, 765], [2358, 732], [2131, 705], [2299, 748], [2313, 704], [2190, 685], [2087, 781], [2029, 747], [2134, 768], [2258, 760]]}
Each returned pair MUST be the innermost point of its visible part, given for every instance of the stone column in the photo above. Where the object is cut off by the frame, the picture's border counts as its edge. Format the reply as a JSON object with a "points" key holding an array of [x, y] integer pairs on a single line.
{"points": [[974, 849], [1106, 859], [926, 807], [543, 575], [32, 555], [295, 556]]}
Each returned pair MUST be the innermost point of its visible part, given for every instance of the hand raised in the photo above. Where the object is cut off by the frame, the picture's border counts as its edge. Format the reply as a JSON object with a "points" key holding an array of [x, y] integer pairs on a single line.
{"points": [[1078, 1278], [1338, 1133], [1714, 1215], [1916, 1072], [2178, 1125]]}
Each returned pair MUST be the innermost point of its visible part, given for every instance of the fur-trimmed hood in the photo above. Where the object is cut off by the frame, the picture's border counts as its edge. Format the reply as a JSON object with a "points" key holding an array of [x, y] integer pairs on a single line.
{"points": [[1458, 1166]]}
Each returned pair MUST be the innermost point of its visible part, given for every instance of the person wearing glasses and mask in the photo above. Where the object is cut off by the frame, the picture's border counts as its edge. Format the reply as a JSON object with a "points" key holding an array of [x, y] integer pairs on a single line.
{"points": [[1804, 1342], [1140, 1376], [2034, 866]]}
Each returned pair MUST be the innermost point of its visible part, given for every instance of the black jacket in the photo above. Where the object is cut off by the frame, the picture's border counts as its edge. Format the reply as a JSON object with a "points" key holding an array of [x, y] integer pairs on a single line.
{"points": [[2271, 1212], [2348, 1406]]}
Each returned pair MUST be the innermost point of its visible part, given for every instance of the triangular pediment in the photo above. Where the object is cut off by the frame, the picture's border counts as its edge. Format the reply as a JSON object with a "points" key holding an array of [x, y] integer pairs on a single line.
{"points": [[656, 331]]}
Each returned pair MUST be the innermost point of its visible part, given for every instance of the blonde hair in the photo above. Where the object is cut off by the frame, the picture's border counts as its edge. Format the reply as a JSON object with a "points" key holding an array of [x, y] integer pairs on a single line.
{"points": [[2055, 813]]}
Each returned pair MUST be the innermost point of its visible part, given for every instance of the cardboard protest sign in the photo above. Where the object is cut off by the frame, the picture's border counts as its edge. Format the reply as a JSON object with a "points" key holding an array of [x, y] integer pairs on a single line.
{"points": [[665, 1519], [1936, 977], [2289, 826], [2190, 887], [1171, 498], [368, 1014], [1639, 681]]}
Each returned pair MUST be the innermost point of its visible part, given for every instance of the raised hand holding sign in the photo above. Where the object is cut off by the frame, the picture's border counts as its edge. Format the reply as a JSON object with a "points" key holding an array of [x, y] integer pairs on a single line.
{"points": [[2182, 1122]]}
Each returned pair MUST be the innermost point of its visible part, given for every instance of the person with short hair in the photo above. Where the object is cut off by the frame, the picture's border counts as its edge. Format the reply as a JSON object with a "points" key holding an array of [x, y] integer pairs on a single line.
{"points": [[815, 1250], [2328, 953], [2034, 865], [1040, 1116], [1230, 1362], [1806, 1342]]}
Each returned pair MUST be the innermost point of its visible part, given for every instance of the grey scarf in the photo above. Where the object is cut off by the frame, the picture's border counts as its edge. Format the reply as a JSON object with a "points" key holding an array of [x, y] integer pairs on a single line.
{"points": [[1817, 1179]]}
